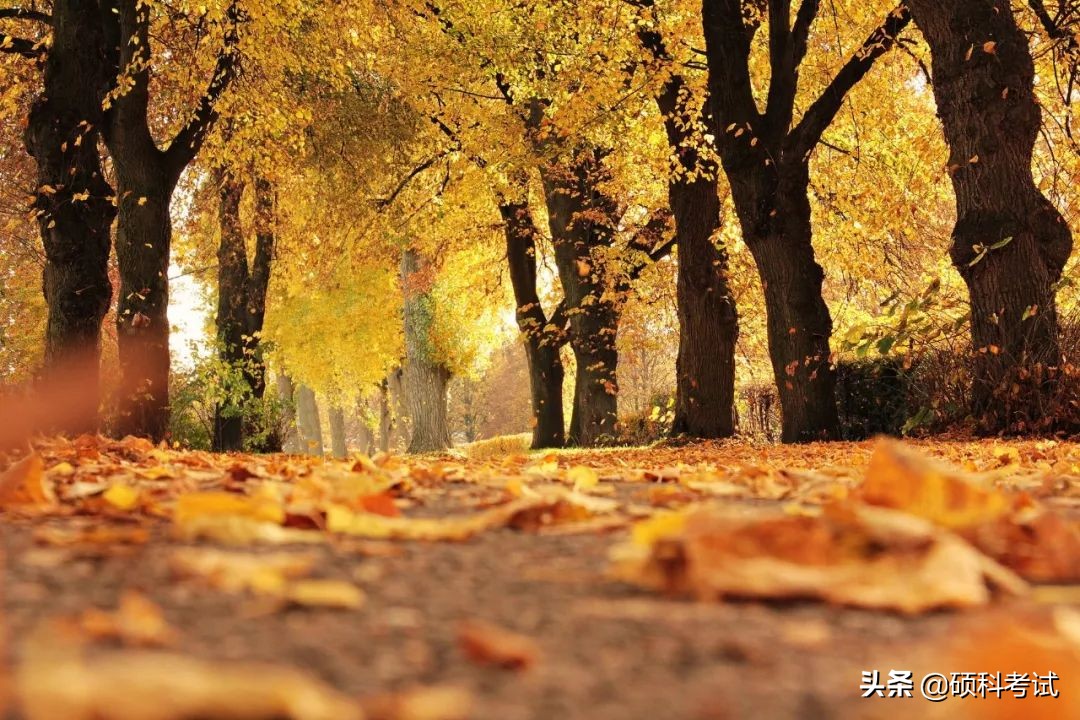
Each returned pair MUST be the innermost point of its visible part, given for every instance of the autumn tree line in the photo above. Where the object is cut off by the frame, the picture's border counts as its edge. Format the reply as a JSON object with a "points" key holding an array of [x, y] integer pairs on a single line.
{"points": [[376, 173]]}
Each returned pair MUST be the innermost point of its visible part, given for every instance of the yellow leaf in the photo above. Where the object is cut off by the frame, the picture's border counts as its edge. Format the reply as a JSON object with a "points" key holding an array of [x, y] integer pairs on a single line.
{"points": [[121, 496], [582, 478]]}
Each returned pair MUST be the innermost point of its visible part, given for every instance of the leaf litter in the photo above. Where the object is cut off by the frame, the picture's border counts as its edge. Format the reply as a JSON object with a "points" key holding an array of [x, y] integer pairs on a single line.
{"points": [[900, 527]]}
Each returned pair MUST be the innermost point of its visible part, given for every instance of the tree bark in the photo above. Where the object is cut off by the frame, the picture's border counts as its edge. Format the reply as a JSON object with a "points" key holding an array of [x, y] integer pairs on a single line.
{"points": [[542, 337], [708, 319], [425, 378], [309, 425], [1010, 243], [73, 201], [241, 303], [290, 442], [581, 217], [338, 446], [231, 311], [386, 416]]}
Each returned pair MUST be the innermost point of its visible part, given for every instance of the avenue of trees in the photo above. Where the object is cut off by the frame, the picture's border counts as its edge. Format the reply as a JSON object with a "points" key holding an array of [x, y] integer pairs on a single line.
{"points": [[680, 200]]}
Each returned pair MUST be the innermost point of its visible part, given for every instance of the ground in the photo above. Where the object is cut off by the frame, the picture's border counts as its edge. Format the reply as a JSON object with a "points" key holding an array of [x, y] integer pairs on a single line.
{"points": [[492, 589]]}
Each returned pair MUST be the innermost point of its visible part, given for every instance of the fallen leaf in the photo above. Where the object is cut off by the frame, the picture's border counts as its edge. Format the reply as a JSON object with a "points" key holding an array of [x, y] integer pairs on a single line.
{"points": [[901, 478], [24, 484], [860, 556], [428, 703], [324, 593], [122, 496], [136, 621], [58, 680], [487, 644]]}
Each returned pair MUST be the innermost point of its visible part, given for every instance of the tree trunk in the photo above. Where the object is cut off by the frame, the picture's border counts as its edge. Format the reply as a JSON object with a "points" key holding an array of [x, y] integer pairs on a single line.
{"points": [[242, 304], [338, 447], [310, 426], [774, 211], [708, 320], [581, 218], [290, 441], [386, 416], [542, 337], [1010, 243], [73, 202], [425, 378], [231, 318], [143, 237]]}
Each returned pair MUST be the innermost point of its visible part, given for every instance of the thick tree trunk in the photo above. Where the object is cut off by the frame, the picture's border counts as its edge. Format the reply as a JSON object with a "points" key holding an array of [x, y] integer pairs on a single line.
{"points": [[290, 441], [338, 447], [581, 219], [143, 238], [1010, 243], [73, 202], [774, 211], [542, 337], [708, 320], [425, 378], [309, 424]]}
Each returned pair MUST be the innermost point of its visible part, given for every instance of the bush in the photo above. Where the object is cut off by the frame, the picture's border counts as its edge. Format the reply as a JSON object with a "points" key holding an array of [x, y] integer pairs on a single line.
{"points": [[872, 397], [196, 392]]}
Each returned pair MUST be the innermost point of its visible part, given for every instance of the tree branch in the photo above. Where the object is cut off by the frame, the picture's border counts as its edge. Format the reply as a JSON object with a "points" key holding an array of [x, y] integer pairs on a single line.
{"points": [[23, 14], [189, 139], [820, 114], [383, 203], [18, 46], [727, 48]]}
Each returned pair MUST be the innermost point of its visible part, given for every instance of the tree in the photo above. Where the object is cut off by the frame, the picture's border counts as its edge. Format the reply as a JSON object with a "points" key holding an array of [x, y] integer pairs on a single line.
{"points": [[425, 376], [73, 202], [1010, 243], [543, 336], [708, 319], [146, 177], [242, 287], [766, 160]]}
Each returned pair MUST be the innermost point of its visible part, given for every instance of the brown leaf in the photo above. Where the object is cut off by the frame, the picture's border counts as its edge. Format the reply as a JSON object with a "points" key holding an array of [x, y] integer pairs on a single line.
{"points": [[860, 556], [24, 484], [58, 680], [487, 644]]}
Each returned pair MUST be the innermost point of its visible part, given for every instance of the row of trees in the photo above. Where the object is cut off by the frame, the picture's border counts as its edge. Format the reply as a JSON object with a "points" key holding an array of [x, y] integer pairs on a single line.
{"points": [[602, 138]]}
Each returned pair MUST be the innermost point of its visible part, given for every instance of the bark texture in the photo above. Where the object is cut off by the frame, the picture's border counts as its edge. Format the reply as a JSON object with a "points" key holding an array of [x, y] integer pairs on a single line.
{"points": [[72, 200], [425, 378], [708, 319], [338, 445], [1010, 243], [580, 218], [290, 439], [241, 301], [309, 423]]}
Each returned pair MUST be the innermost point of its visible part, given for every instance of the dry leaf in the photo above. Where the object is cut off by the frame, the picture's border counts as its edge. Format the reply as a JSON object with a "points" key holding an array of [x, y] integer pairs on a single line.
{"points": [[487, 644], [58, 680], [860, 556], [24, 484], [900, 478], [136, 621], [324, 593], [430, 703]]}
